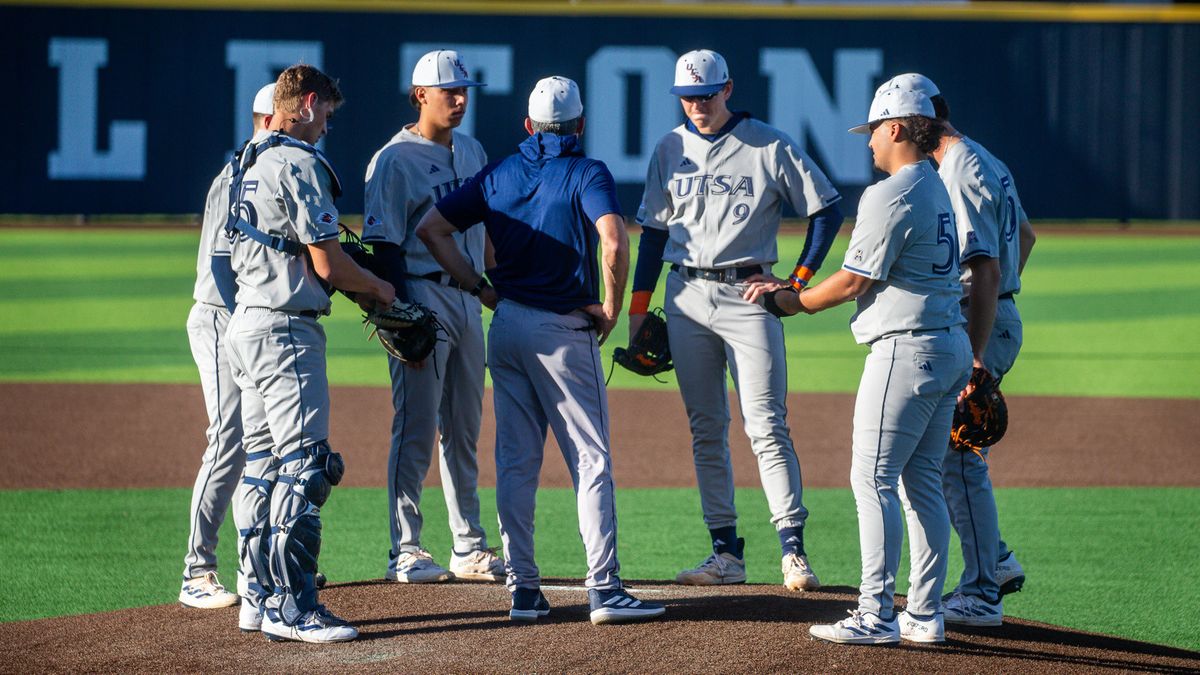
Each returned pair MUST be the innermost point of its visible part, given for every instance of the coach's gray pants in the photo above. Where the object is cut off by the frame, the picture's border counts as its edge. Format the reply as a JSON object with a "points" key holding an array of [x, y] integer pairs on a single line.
{"points": [[902, 421], [546, 370], [221, 465], [445, 395], [710, 325], [278, 360], [967, 484]]}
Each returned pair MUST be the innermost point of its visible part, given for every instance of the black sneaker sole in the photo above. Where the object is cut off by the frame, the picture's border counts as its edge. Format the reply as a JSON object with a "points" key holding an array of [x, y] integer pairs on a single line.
{"points": [[1013, 585]]}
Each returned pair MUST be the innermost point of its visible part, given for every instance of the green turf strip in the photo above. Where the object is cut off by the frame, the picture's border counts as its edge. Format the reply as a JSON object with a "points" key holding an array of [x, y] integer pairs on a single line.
{"points": [[1111, 560], [1105, 316]]}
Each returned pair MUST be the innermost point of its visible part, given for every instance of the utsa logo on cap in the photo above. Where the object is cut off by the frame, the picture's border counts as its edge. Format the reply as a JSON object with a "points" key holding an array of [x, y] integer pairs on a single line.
{"points": [[443, 68], [700, 73]]}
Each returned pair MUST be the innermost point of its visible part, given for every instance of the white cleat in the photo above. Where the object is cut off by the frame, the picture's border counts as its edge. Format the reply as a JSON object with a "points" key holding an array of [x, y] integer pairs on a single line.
{"points": [[797, 575], [319, 627], [482, 565], [250, 618], [417, 567], [862, 628], [922, 630], [972, 610], [717, 569], [206, 593]]}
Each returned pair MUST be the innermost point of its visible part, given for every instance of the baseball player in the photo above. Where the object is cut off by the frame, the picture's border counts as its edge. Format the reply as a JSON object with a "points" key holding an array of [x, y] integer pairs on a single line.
{"points": [[283, 248], [221, 466], [902, 268], [423, 162], [996, 238], [715, 190], [546, 208]]}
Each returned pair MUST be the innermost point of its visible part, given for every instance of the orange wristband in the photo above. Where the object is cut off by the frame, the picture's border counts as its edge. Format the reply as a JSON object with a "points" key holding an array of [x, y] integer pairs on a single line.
{"points": [[800, 277], [640, 302]]}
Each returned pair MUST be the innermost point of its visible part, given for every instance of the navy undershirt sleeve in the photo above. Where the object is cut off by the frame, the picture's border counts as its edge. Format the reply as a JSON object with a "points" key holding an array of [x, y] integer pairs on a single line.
{"points": [[225, 280], [393, 267], [650, 258], [823, 227]]}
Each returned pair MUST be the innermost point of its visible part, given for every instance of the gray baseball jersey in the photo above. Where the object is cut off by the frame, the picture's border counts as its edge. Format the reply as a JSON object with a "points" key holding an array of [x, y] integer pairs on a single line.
{"points": [[722, 201], [904, 238], [989, 216], [284, 195], [987, 209], [915, 267], [223, 460], [405, 179]]}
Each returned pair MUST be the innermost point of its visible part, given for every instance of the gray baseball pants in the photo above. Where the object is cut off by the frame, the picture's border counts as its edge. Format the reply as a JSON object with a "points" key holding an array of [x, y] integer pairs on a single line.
{"points": [[445, 396], [223, 460], [711, 326], [902, 421], [967, 484], [546, 371]]}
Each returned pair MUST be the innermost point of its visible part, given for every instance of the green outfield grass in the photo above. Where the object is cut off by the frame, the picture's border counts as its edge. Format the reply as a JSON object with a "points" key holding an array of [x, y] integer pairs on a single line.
{"points": [[1107, 560], [1106, 315]]}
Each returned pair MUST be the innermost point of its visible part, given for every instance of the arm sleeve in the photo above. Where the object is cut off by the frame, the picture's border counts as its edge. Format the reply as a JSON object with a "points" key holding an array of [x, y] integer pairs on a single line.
{"points": [[467, 205], [310, 187], [650, 259], [385, 216], [805, 186], [823, 227], [599, 195], [225, 280], [874, 244], [391, 259]]}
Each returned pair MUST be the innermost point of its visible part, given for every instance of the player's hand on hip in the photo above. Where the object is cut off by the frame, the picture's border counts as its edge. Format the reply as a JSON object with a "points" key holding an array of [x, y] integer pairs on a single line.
{"points": [[758, 284], [603, 319], [489, 297]]}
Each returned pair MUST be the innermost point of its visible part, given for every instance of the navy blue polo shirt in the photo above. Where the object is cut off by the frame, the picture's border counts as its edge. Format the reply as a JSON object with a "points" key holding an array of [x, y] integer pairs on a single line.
{"points": [[540, 207]]}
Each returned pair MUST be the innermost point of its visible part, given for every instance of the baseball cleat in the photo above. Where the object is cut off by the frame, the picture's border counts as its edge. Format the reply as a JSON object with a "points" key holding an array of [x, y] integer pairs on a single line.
{"points": [[206, 593], [250, 618], [862, 628], [319, 626], [615, 605], [717, 569], [482, 565], [416, 567], [972, 610], [320, 580], [797, 575], [915, 629], [1009, 574], [528, 604]]}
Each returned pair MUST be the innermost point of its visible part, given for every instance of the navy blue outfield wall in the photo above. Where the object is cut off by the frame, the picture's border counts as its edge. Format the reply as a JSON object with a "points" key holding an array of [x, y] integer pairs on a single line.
{"points": [[133, 110]]}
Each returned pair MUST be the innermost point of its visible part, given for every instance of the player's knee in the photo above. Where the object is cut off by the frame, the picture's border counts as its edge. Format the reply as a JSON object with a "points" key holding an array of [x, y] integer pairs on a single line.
{"points": [[322, 470]]}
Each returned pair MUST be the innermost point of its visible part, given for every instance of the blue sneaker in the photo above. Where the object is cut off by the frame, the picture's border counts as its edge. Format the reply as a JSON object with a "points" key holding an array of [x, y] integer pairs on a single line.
{"points": [[617, 606], [528, 604]]}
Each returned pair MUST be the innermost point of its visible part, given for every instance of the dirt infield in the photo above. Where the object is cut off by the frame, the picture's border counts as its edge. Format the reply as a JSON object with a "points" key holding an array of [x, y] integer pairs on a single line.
{"points": [[152, 436], [464, 628]]}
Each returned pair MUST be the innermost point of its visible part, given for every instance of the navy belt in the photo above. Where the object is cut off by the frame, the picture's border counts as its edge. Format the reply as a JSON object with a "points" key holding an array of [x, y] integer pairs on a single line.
{"points": [[309, 314], [1003, 296], [728, 275], [440, 278]]}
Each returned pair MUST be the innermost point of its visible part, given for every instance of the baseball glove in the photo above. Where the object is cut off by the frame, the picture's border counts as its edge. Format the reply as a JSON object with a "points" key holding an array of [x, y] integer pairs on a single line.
{"points": [[407, 330], [981, 417], [649, 352]]}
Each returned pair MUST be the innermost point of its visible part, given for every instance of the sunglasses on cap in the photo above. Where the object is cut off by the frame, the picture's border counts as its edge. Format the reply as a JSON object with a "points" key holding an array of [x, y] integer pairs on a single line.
{"points": [[701, 99]]}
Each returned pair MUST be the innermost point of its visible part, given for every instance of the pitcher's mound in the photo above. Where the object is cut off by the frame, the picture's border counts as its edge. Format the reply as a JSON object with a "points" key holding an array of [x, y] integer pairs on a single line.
{"points": [[465, 628]]}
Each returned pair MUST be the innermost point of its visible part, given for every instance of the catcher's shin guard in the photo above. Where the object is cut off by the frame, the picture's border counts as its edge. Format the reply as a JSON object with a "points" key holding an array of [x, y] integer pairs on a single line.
{"points": [[305, 480], [254, 497]]}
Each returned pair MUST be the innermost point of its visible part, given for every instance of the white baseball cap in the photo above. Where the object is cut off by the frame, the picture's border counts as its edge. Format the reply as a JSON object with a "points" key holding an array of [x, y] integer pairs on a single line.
{"points": [[911, 82], [555, 99], [264, 100], [893, 103], [443, 68], [699, 73]]}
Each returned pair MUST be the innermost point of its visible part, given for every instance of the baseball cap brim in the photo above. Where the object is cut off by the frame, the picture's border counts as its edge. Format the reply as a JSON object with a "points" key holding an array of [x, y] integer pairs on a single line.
{"points": [[697, 90], [864, 129]]}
